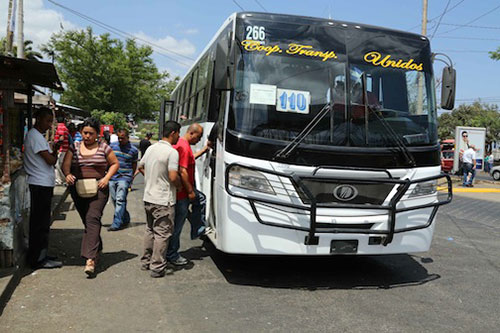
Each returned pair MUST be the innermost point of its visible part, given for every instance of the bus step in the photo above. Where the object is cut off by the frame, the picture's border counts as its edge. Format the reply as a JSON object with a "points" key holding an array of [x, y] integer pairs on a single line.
{"points": [[314, 240]]}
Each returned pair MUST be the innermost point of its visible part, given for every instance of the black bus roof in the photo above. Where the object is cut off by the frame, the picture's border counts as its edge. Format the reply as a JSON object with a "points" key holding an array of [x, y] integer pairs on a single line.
{"points": [[323, 21]]}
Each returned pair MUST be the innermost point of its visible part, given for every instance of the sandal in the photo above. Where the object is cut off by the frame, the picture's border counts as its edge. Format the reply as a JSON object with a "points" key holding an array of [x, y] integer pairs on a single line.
{"points": [[90, 267]]}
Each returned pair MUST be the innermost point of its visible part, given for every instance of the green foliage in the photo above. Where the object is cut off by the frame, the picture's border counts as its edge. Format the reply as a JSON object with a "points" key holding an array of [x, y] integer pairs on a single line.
{"points": [[473, 115], [118, 120], [495, 55], [29, 53], [143, 128], [107, 74]]}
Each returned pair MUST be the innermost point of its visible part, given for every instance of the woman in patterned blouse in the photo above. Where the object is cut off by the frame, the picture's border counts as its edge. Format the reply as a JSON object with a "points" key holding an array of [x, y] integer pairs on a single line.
{"points": [[90, 159]]}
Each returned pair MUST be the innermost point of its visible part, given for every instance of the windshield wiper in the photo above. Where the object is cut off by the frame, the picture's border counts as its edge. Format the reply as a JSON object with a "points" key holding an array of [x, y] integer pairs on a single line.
{"points": [[290, 148], [397, 139]]}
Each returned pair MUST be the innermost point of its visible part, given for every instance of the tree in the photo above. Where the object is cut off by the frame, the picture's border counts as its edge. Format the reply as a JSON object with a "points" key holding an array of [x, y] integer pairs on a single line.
{"points": [[118, 120], [102, 73], [29, 53], [474, 115], [495, 55]]}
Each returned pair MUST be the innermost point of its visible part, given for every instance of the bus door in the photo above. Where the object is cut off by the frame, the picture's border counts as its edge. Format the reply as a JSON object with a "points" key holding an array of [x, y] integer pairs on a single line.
{"points": [[166, 113]]}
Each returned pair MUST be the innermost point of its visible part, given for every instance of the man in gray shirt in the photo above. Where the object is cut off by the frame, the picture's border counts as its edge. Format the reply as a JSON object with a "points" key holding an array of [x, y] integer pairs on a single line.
{"points": [[39, 161], [160, 167]]}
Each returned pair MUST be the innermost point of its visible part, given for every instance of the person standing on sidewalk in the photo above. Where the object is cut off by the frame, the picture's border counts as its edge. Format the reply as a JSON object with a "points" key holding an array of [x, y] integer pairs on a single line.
{"points": [[145, 143], [62, 136], [160, 165], [469, 165], [39, 161], [127, 156], [90, 159], [188, 195]]}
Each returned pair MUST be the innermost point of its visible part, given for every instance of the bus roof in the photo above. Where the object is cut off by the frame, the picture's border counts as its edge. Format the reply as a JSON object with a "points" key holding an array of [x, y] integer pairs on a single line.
{"points": [[316, 20], [297, 20]]}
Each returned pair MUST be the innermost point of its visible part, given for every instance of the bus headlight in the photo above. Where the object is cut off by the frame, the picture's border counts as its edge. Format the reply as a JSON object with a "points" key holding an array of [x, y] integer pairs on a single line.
{"points": [[249, 179], [425, 188]]}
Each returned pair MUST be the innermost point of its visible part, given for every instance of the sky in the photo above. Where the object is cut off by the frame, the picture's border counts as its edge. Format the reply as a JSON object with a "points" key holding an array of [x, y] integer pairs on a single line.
{"points": [[181, 29]]}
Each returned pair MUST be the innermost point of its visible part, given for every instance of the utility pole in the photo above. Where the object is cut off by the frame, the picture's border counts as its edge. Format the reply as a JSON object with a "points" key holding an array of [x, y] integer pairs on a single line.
{"points": [[10, 27], [420, 75], [424, 18], [20, 32]]}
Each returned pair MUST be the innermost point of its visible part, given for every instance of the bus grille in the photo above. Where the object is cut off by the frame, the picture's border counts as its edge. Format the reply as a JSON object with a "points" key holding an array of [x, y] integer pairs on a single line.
{"points": [[327, 192]]}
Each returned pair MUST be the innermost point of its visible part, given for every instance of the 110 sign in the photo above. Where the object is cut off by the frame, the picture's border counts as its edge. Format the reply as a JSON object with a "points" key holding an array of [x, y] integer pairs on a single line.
{"points": [[293, 101]]}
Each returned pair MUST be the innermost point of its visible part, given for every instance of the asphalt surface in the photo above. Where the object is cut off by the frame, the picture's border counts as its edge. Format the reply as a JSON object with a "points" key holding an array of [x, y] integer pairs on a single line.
{"points": [[452, 288]]}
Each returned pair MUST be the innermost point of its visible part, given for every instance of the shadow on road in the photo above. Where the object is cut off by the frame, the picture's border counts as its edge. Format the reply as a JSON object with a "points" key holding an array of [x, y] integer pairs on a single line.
{"points": [[315, 273], [66, 245]]}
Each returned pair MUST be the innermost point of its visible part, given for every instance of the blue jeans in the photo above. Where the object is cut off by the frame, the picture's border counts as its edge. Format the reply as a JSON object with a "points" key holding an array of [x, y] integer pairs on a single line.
{"points": [[468, 167], [196, 218], [119, 192]]}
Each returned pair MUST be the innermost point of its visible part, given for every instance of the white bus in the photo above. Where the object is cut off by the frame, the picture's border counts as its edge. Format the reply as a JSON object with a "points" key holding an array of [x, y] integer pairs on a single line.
{"points": [[326, 137]]}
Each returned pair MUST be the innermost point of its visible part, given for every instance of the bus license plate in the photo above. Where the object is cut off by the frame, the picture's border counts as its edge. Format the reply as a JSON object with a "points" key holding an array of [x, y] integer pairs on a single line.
{"points": [[344, 246]]}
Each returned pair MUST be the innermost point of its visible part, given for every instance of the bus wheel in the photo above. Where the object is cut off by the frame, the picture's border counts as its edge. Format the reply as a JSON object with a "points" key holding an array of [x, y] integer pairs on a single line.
{"points": [[496, 175]]}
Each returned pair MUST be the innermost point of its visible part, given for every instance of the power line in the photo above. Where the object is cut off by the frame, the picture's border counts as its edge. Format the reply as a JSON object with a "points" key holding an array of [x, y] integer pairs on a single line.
{"points": [[432, 19], [474, 20], [487, 97], [237, 4], [260, 5], [469, 38], [464, 51], [124, 34], [440, 18], [470, 26]]}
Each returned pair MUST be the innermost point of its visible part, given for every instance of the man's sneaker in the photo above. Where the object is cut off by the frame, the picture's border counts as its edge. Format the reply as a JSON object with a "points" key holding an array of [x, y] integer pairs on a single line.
{"points": [[208, 230], [113, 229], [158, 274], [181, 261], [145, 267], [47, 263]]}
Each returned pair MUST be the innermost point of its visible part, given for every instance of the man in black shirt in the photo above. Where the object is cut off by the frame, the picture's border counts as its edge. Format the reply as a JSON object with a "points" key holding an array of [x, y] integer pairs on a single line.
{"points": [[145, 143]]}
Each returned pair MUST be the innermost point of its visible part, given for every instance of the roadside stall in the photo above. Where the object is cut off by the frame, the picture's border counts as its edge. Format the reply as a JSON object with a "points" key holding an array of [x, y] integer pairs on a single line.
{"points": [[17, 76]]}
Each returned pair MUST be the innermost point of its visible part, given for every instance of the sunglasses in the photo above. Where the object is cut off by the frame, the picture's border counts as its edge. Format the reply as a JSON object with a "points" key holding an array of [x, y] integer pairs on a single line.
{"points": [[464, 136]]}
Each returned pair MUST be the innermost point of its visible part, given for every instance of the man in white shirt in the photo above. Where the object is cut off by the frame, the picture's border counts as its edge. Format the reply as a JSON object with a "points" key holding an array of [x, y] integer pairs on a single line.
{"points": [[469, 165], [39, 161], [160, 167], [113, 138]]}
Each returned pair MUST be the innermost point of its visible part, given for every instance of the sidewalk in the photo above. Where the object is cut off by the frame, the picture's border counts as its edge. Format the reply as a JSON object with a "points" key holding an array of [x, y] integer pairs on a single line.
{"points": [[120, 298], [10, 277]]}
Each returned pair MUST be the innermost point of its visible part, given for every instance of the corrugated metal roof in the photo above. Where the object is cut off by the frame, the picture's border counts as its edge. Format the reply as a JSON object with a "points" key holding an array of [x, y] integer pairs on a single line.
{"points": [[30, 72]]}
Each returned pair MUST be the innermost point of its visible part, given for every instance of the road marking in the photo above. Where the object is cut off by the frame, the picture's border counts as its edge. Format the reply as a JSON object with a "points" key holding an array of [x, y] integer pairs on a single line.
{"points": [[472, 190]]}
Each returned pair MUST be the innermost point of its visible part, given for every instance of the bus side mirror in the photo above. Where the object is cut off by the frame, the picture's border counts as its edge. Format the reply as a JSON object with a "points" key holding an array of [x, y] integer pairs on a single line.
{"points": [[448, 87]]}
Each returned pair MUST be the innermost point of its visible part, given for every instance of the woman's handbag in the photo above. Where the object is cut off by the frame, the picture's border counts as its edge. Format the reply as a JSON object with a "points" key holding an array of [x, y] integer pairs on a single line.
{"points": [[86, 188]]}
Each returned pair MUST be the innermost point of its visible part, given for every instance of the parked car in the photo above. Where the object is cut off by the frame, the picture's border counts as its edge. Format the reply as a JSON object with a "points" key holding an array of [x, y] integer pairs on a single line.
{"points": [[447, 160], [495, 172], [447, 153]]}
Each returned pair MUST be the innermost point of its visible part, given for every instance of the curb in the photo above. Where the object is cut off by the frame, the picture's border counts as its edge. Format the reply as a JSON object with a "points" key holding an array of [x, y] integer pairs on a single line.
{"points": [[19, 269]]}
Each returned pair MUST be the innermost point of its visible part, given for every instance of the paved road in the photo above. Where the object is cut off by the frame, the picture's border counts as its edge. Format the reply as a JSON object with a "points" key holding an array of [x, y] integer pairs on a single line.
{"points": [[452, 288]]}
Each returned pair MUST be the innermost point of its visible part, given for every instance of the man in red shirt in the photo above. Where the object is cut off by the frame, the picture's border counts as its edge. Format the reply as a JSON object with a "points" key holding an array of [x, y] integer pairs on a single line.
{"points": [[188, 195], [61, 136]]}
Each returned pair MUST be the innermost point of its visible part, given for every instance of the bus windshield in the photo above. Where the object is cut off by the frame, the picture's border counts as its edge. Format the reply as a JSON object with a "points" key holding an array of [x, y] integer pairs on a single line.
{"points": [[286, 73]]}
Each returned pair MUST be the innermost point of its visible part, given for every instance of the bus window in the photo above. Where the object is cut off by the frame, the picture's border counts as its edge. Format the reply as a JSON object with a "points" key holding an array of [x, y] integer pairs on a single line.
{"points": [[203, 72], [195, 81], [200, 109], [188, 88], [192, 108]]}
